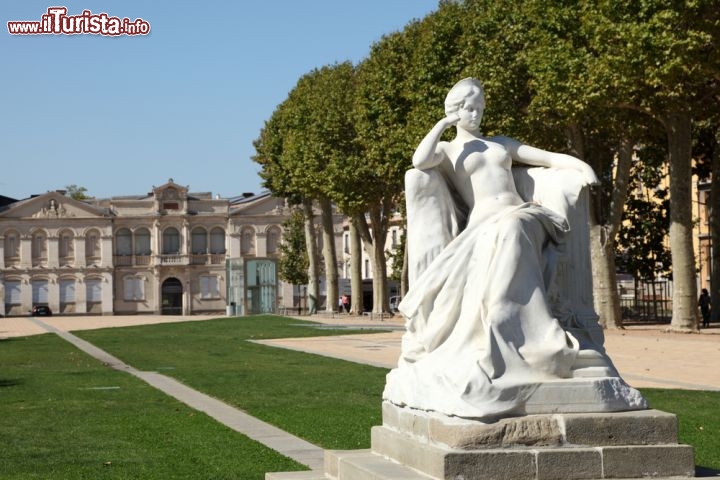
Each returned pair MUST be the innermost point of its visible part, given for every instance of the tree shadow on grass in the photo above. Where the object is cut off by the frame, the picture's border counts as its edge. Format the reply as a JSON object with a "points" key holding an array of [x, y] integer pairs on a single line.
{"points": [[10, 382], [706, 472]]}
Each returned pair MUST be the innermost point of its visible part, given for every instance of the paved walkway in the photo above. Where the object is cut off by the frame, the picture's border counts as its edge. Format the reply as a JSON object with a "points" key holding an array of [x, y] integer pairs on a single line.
{"points": [[645, 356]]}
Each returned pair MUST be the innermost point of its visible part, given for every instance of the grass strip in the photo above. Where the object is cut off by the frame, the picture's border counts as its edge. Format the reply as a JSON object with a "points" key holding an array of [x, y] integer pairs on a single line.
{"points": [[699, 422], [63, 415]]}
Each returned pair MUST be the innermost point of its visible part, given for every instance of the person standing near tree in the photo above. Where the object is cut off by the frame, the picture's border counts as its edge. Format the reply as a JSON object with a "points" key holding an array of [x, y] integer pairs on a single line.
{"points": [[704, 302]]}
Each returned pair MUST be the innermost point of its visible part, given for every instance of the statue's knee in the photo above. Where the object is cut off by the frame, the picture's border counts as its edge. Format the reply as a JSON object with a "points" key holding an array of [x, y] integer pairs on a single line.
{"points": [[510, 226]]}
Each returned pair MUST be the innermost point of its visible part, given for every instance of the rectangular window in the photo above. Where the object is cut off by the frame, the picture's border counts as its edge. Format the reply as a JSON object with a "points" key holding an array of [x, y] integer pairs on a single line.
{"points": [[12, 292], [93, 290], [39, 291], [134, 288], [209, 287], [67, 291]]}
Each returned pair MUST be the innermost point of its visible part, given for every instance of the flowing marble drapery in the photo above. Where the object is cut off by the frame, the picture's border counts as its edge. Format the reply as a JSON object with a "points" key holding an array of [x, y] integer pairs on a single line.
{"points": [[481, 332]]}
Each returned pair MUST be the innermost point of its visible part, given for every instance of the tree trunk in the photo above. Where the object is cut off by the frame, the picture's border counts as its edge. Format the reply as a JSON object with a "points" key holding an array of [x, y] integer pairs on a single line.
{"points": [[375, 247], [713, 203], [312, 250], [603, 238], [685, 298], [356, 285], [607, 301], [330, 256], [603, 233]]}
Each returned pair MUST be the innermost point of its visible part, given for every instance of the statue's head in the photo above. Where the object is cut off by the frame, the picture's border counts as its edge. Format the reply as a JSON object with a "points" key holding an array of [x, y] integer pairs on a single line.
{"points": [[460, 92]]}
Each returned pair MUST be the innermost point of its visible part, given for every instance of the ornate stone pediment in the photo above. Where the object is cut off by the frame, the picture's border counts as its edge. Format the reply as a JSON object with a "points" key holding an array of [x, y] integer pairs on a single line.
{"points": [[171, 197], [263, 204], [51, 205]]}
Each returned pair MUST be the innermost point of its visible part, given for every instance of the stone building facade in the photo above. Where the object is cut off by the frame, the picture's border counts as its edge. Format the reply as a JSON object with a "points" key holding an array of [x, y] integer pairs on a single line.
{"points": [[166, 252]]}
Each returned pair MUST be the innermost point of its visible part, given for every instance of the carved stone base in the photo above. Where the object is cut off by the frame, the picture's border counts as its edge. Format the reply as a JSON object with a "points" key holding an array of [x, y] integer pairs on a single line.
{"points": [[420, 445]]}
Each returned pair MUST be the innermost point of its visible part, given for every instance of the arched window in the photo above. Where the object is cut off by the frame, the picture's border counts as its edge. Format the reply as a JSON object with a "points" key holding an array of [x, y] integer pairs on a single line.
{"points": [[199, 240], [123, 242], [142, 241], [273, 240], [92, 245], [247, 241], [39, 247], [217, 240], [66, 246], [171, 241], [12, 246]]}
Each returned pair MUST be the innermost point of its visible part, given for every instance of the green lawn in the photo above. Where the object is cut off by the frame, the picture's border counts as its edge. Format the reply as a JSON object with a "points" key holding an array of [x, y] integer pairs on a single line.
{"points": [[62, 417], [699, 418], [328, 402]]}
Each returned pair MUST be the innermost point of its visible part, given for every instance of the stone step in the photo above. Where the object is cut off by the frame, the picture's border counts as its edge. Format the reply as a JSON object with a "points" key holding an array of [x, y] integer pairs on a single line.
{"points": [[370, 466], [638, 427], [307, 475], [537, 463], [365, 465]]}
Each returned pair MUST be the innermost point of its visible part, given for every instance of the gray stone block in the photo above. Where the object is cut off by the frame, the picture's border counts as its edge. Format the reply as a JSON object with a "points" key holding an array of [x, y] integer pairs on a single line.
{"points": [[444, 462], [643, 427], [491, 465], [637, 427], [309, 475], [375, 467], [428, 459], [333, 457], [569, 463], [531, 430], [648, 461]]}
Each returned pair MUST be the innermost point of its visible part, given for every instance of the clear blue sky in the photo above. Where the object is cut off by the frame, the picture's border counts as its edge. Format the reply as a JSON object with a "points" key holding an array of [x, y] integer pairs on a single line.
{"points": [[118, 115]]}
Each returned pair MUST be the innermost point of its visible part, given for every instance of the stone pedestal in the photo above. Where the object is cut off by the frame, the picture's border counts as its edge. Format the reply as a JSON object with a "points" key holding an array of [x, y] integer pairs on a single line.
{"points": [[413, 444]]}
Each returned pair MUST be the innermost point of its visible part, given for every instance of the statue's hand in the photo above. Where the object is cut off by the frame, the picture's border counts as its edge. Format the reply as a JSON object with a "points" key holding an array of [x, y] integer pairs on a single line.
{"points": [[450, 120]]}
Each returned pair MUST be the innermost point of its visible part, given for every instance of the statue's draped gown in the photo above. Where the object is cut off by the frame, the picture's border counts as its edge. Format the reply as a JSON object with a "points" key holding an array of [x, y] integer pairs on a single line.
{"points": [[480, 332]]}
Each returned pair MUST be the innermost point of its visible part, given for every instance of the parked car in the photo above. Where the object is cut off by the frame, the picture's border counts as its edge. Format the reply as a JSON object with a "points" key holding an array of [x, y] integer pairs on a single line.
{"points": [[394, 302], [41, 311]]}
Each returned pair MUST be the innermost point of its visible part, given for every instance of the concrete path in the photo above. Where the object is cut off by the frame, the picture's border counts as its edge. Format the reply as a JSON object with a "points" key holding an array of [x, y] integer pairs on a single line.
{"points": [[645, 356], [269, 435]]}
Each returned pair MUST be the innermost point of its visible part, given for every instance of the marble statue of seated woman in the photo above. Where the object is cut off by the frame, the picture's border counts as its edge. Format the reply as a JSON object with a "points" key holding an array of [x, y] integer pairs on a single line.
{"points": [[491, 319]]}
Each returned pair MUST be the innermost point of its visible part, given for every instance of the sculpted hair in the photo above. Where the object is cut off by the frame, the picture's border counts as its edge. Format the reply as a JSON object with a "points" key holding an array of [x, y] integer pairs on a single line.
{"points": [[460, 91]]}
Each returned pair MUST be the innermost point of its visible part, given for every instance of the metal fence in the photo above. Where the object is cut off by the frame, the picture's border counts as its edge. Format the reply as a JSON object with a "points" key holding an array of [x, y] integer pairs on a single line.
{"points": [[645, 302]]}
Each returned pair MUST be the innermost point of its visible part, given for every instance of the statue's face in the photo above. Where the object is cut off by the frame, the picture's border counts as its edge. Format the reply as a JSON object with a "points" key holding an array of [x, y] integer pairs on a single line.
{"points": [[471, 111]]}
